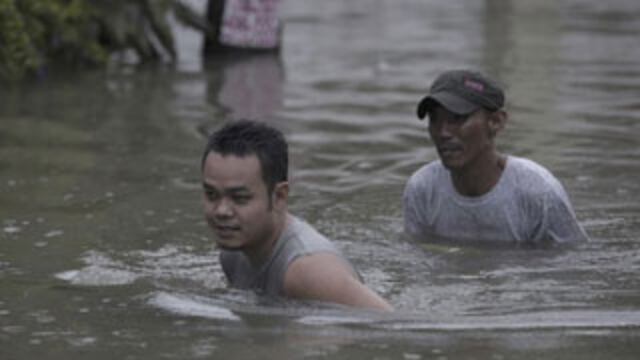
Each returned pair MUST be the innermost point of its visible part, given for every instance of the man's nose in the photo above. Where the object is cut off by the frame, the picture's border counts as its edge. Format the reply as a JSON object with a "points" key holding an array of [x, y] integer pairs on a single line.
{"points": [[223, 208], [443, 129]]}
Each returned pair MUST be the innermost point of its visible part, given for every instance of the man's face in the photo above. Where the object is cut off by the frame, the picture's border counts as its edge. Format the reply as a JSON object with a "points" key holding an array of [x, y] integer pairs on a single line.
{"points": [[460, 139], [236, 203]]}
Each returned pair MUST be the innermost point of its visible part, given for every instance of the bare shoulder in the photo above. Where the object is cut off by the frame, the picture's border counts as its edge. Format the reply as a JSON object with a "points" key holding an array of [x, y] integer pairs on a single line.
{"points": [[318, 270], [324, 276]]}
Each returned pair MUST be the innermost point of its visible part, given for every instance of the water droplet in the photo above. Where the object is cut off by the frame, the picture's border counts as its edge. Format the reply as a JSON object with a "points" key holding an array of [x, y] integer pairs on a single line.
{"points": [[411, 356], [83, 341], [67, 275], [53, 233], [13, 329], [11, 229]]}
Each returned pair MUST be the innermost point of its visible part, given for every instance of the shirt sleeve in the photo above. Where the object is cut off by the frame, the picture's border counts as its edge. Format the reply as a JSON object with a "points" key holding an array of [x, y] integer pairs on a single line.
{"points": [[563, 226], [413, 216]]}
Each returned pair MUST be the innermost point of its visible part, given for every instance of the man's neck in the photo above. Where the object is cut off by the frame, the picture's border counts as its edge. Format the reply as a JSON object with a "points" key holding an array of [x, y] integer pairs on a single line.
{"points": [[479, 177], [258, 255]]}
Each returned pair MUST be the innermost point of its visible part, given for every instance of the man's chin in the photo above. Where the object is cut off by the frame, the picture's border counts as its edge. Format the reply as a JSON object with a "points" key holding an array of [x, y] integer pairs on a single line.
{"points": [[230, 248], [451, 164], [228, 245]]}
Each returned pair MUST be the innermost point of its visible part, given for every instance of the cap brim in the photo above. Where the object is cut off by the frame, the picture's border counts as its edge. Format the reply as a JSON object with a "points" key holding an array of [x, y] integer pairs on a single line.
{"points": [[449, 101]]}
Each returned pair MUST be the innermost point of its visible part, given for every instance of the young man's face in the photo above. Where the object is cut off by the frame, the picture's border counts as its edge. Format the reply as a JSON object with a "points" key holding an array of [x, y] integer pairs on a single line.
{"points": [[236, 203], [460, 139]]}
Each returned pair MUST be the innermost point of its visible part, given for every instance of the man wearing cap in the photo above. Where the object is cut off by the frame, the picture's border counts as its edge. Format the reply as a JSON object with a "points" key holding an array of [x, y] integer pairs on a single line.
{"points": [[473, 193]]}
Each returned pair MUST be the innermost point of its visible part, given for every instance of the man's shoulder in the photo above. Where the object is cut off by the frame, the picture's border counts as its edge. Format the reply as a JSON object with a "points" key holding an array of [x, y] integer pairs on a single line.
{"points": [[533, 177], [529, 168], [527, 165], [431, 168], [301, 229], [306, 245], [303, 238], [427, 174]]}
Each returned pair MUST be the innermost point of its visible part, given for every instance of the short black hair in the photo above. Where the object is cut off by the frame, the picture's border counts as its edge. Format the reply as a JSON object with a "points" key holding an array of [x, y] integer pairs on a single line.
{"points": [[248, 137]]}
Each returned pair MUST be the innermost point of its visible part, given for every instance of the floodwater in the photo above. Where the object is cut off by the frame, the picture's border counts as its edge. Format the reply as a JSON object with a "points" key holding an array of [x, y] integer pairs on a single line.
{"points": [[104, 253]]}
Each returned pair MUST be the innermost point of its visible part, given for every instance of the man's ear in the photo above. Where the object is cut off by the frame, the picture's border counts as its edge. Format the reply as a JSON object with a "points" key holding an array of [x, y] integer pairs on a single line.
{"points": [[281, 195], [497, 122]]}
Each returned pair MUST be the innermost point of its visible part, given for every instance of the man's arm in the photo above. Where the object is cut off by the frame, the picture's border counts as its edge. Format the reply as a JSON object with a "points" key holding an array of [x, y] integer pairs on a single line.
{"points": [[415, 199], [325, 277], [563, 227]]}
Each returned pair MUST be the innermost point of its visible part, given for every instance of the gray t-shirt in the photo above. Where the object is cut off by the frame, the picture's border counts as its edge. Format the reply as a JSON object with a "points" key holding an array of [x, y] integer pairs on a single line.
{"points": [[528, 205], [298, 239]]}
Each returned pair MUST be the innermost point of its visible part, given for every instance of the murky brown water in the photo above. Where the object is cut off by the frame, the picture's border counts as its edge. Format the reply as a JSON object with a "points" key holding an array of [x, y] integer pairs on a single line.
{"points": [[104, 254]]}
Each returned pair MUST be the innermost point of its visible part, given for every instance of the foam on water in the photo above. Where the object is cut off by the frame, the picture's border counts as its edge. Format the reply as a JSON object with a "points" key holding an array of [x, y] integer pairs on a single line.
{"points": [[184, 305]]}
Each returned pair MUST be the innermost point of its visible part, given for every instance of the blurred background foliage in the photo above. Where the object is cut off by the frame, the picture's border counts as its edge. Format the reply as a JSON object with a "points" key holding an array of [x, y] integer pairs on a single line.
{"points": [[36, 35]]}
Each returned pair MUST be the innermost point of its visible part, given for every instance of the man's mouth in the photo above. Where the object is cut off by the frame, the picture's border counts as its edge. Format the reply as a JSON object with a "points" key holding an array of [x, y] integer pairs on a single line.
{"points": [[449, 149], [224, 231]]}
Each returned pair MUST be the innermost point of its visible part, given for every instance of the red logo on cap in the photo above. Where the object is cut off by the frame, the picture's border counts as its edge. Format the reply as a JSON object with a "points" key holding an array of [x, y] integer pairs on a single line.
{"points": [[474, 85]]}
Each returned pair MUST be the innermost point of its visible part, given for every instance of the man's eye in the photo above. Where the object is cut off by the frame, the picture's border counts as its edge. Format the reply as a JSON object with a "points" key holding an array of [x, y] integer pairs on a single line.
{"points": [[241, 199], [460, 118], [211, 195]]}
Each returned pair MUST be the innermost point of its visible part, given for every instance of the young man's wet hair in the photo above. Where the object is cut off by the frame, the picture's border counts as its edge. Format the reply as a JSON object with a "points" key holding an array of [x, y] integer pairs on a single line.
{"points": [[246, 137]]}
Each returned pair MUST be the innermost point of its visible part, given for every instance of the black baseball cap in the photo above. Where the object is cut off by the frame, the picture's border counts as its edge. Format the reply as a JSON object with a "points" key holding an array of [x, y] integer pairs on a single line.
{"points": [[462, 92]]}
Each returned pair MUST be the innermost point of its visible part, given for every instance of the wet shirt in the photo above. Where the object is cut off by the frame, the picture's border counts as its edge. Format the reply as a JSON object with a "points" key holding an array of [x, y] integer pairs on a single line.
{"points": [[528, 205], [298, 239]]}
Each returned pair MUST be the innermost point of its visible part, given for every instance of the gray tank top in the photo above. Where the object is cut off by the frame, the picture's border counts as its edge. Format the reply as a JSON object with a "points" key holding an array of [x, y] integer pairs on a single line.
{"points": [[298, 239]]}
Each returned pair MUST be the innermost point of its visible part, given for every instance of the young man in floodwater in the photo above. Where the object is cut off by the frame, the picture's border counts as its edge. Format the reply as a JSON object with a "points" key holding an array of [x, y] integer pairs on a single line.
{"points": [[263, 246], [473, 193]]}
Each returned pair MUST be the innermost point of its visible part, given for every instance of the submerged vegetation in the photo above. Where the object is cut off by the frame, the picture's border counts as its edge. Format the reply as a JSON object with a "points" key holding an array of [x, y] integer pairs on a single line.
{"points": [[36, 35]]}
